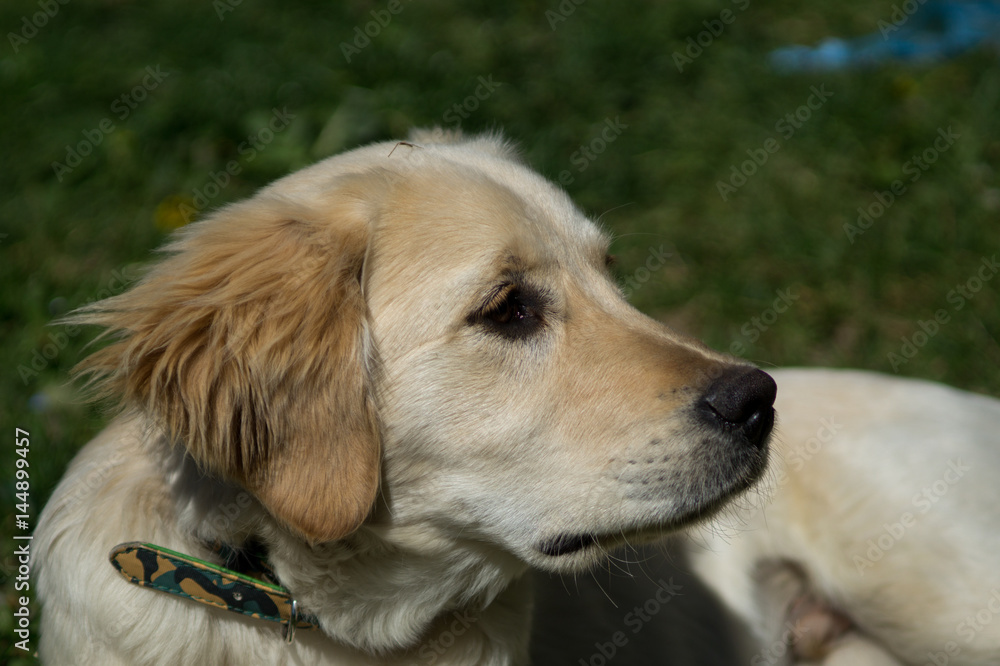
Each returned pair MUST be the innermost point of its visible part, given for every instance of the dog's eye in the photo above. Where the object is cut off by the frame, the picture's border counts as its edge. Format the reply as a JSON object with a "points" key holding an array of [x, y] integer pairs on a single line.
{"points": [[506, 308], [509, 312]]}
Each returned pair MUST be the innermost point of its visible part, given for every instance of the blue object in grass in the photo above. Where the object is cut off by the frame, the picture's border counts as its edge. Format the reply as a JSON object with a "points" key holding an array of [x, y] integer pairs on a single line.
{"points": [[916, 32]]}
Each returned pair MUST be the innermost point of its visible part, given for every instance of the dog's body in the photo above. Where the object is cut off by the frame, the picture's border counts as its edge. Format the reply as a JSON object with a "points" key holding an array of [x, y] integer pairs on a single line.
{"points": [[881, 503], [407, 373]]}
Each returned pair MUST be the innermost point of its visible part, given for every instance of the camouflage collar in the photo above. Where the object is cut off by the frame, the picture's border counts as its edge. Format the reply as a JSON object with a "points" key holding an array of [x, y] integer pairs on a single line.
{"points": [[259, 597]]}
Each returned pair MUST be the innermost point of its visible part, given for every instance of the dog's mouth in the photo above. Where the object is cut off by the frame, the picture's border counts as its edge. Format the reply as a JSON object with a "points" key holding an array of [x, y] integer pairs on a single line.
{"points": [[729, 458], [569, 543], [565, 544]]}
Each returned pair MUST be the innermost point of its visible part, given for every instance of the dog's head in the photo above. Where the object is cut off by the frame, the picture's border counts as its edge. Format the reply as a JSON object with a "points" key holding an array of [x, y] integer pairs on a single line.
{"points": [[434, 320]]}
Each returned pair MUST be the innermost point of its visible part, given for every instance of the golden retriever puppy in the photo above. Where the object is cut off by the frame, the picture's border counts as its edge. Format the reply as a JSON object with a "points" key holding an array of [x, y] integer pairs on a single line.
{"points": [[877, 541], [404, 375]]}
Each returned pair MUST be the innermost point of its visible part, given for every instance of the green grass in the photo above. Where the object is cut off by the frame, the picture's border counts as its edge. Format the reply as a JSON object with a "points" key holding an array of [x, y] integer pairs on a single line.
{"points": [[656, 184]]}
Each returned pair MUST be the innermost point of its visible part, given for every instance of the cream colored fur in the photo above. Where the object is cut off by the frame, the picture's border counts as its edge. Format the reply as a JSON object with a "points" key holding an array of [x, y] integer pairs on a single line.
{"points": [[330, 368], [881, 500]]}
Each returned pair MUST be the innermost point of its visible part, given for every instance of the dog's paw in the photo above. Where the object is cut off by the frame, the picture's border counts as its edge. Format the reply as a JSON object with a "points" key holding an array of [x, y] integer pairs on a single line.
{"points": [[816, 627], [856, 649]]}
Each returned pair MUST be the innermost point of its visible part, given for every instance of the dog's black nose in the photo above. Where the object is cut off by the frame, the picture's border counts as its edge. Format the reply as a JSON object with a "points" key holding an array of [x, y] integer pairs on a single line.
{"points": [[741, 401]]}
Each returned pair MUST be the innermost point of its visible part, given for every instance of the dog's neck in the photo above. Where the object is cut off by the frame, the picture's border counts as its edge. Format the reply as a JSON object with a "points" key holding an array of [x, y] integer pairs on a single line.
{"points": [[406, 593]]}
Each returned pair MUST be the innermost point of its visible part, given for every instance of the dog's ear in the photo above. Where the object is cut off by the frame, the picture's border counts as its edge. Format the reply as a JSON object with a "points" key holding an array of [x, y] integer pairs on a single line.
{"points": [[248, 345]]}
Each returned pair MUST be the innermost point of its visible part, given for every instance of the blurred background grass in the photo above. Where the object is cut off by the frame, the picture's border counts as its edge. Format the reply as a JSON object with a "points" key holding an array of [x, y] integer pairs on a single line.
{"points": [[211, 74]]}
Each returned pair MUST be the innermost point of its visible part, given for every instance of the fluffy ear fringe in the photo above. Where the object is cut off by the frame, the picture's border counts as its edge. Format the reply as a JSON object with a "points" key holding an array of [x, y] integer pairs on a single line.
{"points": [[248, 345]]}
